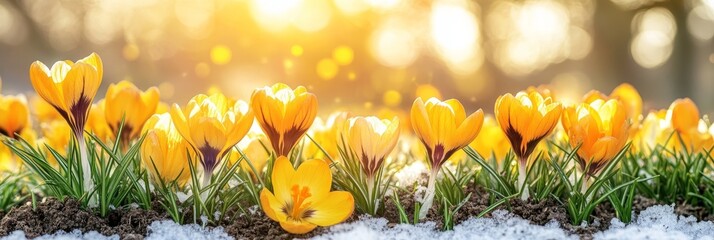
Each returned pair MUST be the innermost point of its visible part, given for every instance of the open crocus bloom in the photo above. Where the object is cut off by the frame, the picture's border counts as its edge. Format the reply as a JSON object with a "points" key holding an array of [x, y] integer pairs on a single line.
{"points": [[301, 199], [599, 129], [284, 114]]}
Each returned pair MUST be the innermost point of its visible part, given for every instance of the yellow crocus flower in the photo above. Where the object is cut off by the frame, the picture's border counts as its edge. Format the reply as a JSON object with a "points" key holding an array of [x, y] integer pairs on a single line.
{"points": [[252, 147], [212, 125], [284, 114], [327, 134], [125, 102], [70, 87], [443, 129], [683, 128], [8, 161], [599, 129], [683, 115], [14, 115], [301, 199], [647, 135], [57, 135], [164, 152], [97, 123], [631, 100], [372, 140], [42, 111], [526, 119], [491, 142]]}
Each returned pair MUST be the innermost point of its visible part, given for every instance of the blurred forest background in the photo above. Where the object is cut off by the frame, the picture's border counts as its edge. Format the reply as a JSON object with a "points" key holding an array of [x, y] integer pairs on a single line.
{"points": [[374, 55]]}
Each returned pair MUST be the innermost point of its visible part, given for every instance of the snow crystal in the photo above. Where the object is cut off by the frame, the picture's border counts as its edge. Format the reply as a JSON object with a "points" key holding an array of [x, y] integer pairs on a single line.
{"points": [[419, 193], [204, 220], [255, 209], [170, 230], [182, 197], [659, 222], [410, 174]]}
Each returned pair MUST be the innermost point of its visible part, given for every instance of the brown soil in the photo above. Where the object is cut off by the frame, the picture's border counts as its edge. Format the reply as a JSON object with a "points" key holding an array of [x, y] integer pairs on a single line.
{"points": [[53, 215], [258, 226]]}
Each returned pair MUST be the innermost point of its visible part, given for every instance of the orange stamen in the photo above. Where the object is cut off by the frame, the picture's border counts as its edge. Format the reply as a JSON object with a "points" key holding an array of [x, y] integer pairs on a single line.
{"points": [[299, 195]]}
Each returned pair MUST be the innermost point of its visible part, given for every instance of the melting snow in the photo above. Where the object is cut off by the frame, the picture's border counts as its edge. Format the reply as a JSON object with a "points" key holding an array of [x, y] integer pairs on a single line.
{"points": [[659, 222], [503, 225]]}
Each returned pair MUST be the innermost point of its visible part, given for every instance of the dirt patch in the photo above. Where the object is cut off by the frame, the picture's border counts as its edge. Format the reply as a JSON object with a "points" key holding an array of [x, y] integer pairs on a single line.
{"points": [[475, 206], [259, 226], [699, 212], [52, 215], [538, 213]]}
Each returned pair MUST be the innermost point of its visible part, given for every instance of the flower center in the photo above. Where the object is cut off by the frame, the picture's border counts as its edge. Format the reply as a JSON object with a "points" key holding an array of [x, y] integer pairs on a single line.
{"points": [[299, 194]]}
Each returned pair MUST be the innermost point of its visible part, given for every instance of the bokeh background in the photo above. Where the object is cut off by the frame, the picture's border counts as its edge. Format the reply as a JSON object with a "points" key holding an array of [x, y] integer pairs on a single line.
{"points": [[374, 55]]}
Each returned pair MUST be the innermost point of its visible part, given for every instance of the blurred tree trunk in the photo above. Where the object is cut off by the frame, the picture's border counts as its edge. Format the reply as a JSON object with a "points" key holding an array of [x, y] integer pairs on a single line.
{"points": [[682, 56]]}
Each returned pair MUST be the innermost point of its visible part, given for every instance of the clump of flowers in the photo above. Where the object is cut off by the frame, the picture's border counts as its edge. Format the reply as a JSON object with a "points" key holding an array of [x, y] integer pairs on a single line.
{"points": [[443, 128], [212, 125], [526, 119], [598, 131], [164, 152], [70, 87], [365, 144]]}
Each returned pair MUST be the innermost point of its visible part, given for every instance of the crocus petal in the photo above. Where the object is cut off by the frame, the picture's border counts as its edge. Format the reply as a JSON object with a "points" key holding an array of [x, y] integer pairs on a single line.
{"points": [[295, 227], [335, 208], [283, 174], [316, 175], [272, 206]]}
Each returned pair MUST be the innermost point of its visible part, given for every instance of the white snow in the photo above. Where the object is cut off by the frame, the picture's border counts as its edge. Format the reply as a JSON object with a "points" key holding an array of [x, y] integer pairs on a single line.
{"points": [[61, 235], [656, 222], [169, 230], [159, 230], [659, 222], [503, 225], [182, 197]]}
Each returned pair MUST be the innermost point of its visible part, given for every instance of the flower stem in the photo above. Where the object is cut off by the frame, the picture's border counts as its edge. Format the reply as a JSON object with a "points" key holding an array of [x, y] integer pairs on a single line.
{"points": [[429, 195], [370, 195], [207, 175], [584, 187], [84, 157], [522, 174]]}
